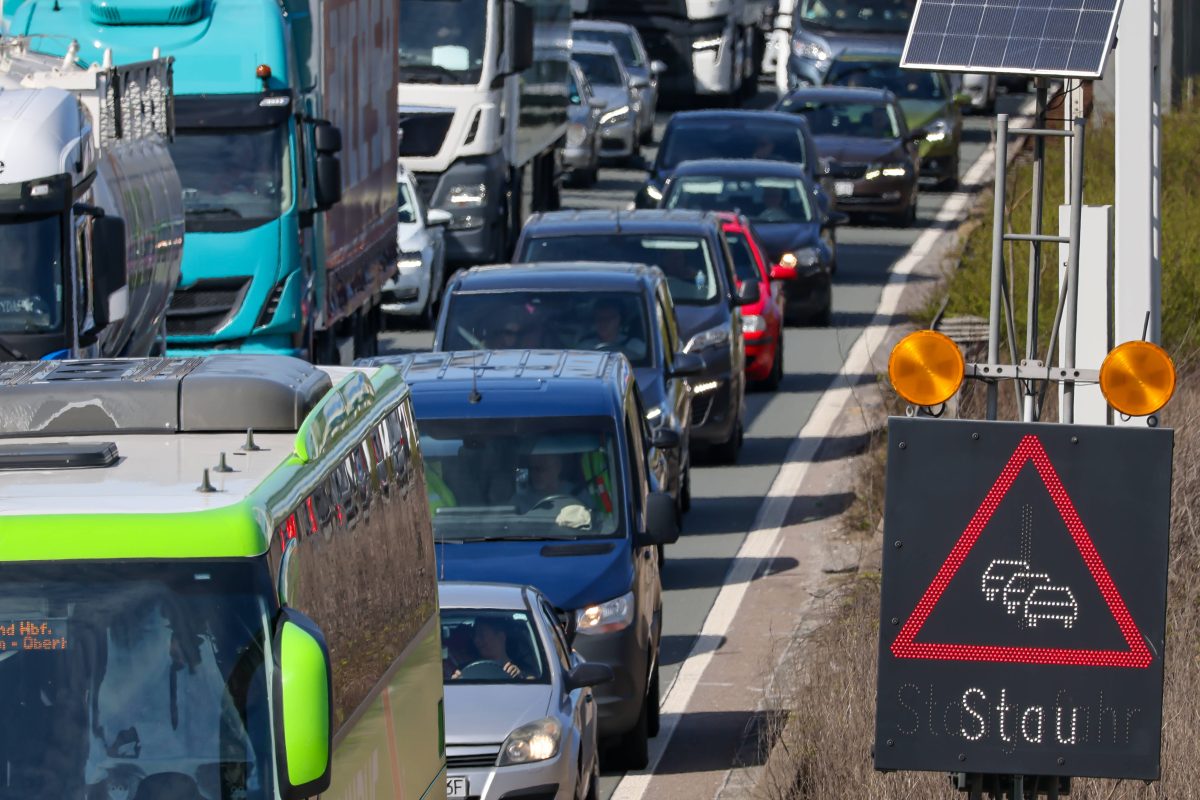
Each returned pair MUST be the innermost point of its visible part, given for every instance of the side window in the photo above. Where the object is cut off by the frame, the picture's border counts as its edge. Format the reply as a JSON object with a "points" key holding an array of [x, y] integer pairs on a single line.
{"points": [[664, 332], [637, 455], [668, 314], [560, 643], [726, 258]]}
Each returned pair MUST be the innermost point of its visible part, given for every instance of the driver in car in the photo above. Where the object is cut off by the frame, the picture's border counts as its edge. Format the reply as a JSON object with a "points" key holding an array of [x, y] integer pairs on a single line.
{"points": [[546, 480]]}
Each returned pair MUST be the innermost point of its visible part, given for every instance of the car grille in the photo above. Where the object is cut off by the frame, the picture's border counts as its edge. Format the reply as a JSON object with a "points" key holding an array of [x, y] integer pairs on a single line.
{"points": [[206, 305], [422, 134], [701, 407], [846, 170], [472, 761]]}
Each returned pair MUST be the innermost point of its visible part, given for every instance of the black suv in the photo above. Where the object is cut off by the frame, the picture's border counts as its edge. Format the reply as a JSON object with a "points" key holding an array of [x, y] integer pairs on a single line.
{"points": [[616, 308], [690, 250]]}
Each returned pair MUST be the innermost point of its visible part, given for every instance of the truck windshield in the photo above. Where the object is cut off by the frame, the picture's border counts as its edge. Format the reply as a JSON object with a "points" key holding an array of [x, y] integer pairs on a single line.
{"points": [[523, 478], [135, 679], [442, 41], [31, 273], [879, 16], [233, 178], [554, 320]]}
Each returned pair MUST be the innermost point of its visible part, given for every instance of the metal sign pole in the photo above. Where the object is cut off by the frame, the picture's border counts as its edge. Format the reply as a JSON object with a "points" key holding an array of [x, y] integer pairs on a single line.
{"points": [[993, 388], [1030, 410], [1071, 312]]}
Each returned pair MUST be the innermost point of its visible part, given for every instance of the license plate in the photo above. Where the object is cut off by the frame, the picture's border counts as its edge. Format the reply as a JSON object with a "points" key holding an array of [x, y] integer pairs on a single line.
{"points": [[843, 188], [457, 786]]}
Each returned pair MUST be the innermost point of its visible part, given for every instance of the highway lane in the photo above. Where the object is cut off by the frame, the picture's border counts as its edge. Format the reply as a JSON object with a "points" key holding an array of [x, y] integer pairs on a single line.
{"points": [[726, 499]]}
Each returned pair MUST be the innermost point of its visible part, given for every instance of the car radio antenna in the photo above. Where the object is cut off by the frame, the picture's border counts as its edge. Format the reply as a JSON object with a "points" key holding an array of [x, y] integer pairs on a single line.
{"points": [[474, 397]]}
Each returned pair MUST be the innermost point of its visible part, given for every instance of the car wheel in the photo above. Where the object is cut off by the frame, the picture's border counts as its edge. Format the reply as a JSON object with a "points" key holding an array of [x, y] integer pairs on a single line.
{"points": [[908, 217], [653, 701], [727, 451], [823, 318], [632, 751], [433, 303], [685, 490], [593, 787]]}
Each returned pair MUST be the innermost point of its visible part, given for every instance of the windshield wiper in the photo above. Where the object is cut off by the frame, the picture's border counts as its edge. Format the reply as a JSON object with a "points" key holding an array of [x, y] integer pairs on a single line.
{"points": [[430, 71], [13, 353], [514, 538], [206, 210]]}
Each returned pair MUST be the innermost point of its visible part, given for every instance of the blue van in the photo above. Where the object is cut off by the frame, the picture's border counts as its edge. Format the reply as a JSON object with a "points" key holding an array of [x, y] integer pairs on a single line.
{"points": [[536, 466]]}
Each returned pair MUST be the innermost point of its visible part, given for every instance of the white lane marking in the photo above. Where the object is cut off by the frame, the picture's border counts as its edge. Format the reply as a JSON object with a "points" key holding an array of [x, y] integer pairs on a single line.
{"points": [[763, 540]]}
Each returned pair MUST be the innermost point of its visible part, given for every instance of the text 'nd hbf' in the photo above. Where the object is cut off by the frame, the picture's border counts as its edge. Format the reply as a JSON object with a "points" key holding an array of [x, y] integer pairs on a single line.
{"points": [[31, 635]]}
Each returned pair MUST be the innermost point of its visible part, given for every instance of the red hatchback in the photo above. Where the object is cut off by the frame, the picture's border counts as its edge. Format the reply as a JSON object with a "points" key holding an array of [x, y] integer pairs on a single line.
{"points": [[762, 322]]}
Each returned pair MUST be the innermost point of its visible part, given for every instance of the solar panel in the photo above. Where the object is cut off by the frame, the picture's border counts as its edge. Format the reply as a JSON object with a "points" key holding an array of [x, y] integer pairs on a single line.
{"points": [[1068, 38]]}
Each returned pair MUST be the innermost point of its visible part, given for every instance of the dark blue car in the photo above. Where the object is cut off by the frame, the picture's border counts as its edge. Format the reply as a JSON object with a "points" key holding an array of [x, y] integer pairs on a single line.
{"points": [[777, 198], [535, 463]]}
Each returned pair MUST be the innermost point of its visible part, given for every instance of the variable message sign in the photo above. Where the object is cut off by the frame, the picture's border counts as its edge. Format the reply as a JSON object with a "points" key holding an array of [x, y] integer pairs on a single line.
{"points": [[1024, 599]]}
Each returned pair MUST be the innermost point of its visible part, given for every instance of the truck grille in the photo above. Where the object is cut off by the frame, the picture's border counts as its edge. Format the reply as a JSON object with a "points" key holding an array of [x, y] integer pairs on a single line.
{"points": [[203, 307], [422, 134]]}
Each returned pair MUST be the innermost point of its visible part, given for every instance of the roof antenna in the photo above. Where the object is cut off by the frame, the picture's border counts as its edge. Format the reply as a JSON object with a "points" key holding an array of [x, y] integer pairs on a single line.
{"points": [[206, 486], [474, 397], [221, 465], [250, 446]]}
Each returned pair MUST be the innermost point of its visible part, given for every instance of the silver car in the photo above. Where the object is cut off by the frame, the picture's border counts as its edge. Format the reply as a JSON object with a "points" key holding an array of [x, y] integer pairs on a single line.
{"points": [[520, 717], [643, 73], [581, 151], [416, 288], [611, 83]]}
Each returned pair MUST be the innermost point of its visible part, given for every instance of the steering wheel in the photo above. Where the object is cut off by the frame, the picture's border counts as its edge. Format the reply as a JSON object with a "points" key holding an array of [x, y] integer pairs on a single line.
{"points": [[549, 500], [484, 670]]}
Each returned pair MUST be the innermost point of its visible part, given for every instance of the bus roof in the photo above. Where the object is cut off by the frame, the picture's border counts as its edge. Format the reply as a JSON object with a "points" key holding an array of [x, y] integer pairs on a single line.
{"points": [[163, 495]]}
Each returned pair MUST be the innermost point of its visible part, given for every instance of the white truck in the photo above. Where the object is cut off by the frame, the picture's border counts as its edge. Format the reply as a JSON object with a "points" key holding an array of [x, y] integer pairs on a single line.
{"points": [[482, 101], [91, 207], [710, 47]]}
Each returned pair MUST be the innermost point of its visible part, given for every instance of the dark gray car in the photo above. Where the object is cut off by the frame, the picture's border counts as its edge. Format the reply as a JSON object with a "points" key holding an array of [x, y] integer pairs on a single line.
{"points": [[581, 148], [690, 250], [643, 73]]}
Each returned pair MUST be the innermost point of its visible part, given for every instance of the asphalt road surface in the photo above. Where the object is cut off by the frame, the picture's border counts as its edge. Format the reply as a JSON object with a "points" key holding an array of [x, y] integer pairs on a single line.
{"points": [[726, 499]]}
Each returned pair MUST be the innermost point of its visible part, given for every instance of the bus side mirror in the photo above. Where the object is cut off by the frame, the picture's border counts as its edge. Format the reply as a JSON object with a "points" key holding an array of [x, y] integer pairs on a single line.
{"points": [[109, 292], [303, 706], [521, 57]]}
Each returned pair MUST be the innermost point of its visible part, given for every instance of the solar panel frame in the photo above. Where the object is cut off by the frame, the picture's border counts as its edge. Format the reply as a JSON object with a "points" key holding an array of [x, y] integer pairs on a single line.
{"points": [[1053, 38]]}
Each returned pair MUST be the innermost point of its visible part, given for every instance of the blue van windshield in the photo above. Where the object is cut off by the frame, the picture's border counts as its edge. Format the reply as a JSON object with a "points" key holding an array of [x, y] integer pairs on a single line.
{"points": [[522, 478]]}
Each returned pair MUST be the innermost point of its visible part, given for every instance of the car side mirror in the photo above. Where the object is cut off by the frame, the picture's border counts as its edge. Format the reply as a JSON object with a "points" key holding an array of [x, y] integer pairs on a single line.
{"points": [[836, 218], [302, 689], [588, 674], [658, 67], [665, 439], [438, 216], [639, 82], [747, 294], [662, 526], [781, 273], [110, 296], [687, 364]]}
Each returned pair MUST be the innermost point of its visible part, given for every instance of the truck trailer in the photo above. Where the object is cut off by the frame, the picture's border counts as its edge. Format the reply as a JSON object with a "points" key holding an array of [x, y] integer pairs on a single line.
{"points": [[483, 101], [287, 245], [91, 208]]}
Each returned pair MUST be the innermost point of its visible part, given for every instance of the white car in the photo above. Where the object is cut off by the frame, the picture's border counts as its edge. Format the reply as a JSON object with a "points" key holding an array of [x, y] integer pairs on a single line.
{"points": [[421, 261]]}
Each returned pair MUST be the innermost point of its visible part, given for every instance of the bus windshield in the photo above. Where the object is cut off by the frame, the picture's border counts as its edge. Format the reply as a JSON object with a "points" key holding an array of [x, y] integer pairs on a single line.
{"points": [[523, 478], [135, 679]]}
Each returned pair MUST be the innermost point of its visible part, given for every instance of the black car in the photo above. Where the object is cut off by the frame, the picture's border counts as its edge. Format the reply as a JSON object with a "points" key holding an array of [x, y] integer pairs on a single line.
{"points": [[869, 157], [777, 198], [696, 135], [690, 250], [623, 308]]}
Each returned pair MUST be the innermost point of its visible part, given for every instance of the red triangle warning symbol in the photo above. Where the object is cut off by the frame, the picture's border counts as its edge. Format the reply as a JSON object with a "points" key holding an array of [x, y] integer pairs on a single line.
{"points": [[1136, 657]]}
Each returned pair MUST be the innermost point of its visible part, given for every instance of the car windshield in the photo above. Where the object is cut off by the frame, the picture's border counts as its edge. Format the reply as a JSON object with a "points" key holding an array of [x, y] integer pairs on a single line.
{"points": [[491, 646], [881, 16], [762, 199], [907, 84], [442, 41], [407, 210], [694, 141], [553, 320], [233, 179], [686, 260], [744, 263], [600, 69], [857, 120], [135, 679], [31, 273], [623, 43], [535, 478]]}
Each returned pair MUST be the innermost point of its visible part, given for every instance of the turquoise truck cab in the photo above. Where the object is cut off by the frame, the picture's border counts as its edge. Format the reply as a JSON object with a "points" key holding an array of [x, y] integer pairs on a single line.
{"points": [[270, 263]]}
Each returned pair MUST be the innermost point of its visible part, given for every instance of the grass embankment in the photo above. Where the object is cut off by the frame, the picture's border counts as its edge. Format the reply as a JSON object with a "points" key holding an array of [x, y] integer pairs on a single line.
{"points": [[826, 746]]}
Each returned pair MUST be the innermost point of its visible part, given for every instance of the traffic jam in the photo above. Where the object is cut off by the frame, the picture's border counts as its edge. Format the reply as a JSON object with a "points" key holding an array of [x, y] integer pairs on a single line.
{"points": [[251, 553]]}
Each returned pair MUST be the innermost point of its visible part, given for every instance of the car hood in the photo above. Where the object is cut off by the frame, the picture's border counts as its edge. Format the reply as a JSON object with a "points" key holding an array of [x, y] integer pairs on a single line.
{"points": [[572, 574], [778, 238], [613, 96], [487, 714], [859, 150], [920, 113], [693, 319]]}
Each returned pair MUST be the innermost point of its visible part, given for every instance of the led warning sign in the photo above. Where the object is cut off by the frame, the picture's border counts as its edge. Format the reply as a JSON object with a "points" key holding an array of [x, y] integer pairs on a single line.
{"points": [[1023, 602]]}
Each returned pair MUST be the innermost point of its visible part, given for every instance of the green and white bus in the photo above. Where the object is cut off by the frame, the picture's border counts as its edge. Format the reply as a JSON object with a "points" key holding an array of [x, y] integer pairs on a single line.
{"points": [[217, 581]]}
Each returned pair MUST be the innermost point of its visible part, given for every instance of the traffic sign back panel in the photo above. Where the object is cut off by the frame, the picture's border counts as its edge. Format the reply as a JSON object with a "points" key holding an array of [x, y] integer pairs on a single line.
{"points": [[1024, 599]]}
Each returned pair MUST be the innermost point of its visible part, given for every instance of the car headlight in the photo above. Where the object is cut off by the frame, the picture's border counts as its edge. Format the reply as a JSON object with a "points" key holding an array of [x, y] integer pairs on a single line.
{"points": [[810, 50], [607, 617], [753, 323], [886, 171], [938, 130], [469, 196], [713, 337], [653, 192], [409, 261], [616, 115], [536, 741], [576, 134], [653, 415], [711, 43]]}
